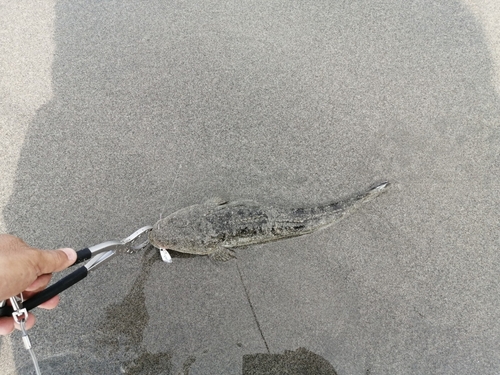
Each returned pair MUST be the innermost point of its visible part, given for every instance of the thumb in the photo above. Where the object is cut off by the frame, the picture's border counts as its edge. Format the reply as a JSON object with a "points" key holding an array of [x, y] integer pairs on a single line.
{"points": [[55, 260]]}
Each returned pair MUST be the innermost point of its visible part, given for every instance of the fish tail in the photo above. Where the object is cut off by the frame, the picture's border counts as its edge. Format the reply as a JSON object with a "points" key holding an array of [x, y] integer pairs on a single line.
{"points": [[359, 199], [306, 220]]}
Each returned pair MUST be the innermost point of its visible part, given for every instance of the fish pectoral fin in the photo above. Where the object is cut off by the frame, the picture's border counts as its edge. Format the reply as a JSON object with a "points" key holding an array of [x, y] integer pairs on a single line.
{"points": [[222, 254]]}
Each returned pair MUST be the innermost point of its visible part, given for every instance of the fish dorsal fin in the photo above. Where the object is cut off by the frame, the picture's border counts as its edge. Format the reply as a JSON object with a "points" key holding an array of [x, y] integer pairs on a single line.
{"points": [[216, 201]]}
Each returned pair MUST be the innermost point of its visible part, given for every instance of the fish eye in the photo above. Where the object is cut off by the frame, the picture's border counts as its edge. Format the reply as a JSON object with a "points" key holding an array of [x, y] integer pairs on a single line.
{"points": [[182, 223]]}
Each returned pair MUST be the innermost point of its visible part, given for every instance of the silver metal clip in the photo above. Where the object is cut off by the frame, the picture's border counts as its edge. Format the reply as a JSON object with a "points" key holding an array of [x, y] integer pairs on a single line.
{"points": [[20, 315]]}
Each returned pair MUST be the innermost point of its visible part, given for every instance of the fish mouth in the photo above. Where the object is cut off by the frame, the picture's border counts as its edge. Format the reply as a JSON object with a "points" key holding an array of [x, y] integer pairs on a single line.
{"points": [[154, 242]]}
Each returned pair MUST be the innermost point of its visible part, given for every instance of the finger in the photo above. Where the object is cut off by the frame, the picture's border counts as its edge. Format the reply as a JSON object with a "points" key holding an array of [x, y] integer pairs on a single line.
{"points": [[28, 295], [40, 283], [48, 261], [50, 304], [6, 325], [30, 322]]}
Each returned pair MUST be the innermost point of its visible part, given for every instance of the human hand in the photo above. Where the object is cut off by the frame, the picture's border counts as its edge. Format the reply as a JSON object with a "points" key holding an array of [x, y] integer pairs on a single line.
{"points": [[28, 270]]}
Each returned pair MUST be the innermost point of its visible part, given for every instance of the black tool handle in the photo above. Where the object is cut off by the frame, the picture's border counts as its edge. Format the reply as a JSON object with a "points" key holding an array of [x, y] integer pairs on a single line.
{"points": [[50, 292], [83, 255]]}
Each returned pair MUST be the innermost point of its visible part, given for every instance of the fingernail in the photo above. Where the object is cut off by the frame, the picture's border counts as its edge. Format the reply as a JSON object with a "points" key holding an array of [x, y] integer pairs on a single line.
{"points": [[71, 254]]}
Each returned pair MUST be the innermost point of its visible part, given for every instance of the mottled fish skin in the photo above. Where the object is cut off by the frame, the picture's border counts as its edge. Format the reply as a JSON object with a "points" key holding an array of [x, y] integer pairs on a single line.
{"points": [[214, 226]]}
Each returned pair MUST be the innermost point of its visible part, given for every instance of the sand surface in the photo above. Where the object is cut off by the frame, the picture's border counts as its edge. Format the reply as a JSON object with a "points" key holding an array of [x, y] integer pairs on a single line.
{"points": [[113, 113]]}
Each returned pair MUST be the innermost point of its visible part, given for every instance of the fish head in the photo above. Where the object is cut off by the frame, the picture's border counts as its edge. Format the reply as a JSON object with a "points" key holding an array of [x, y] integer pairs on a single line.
{"points": [[183, 231]]}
